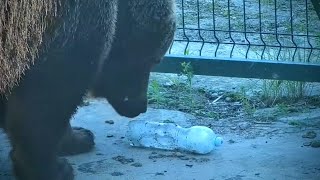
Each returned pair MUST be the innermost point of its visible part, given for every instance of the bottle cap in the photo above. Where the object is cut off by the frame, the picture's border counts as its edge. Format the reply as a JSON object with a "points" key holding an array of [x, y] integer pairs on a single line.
{"points": [[218, 141]]}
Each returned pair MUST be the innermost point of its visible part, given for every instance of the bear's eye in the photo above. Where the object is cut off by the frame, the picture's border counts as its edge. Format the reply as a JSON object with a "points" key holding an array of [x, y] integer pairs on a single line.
{"points": [[157, 61]]}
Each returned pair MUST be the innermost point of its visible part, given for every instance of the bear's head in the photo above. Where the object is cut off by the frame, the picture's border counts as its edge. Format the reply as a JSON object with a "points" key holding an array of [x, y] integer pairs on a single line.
{"points": [[140, 42]]}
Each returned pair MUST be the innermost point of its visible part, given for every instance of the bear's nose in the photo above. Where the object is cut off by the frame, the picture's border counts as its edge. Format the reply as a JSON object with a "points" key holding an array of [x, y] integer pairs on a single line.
{"points": [[131, 107]]}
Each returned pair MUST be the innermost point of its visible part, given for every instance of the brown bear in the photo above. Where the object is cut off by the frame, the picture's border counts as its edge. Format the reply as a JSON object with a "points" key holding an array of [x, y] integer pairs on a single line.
{"points": [[63, 53], [51, 51]]}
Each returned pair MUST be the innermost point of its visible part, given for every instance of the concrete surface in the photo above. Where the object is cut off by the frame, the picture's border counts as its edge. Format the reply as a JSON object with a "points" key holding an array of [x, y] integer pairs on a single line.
{"points": [[278, 158]]}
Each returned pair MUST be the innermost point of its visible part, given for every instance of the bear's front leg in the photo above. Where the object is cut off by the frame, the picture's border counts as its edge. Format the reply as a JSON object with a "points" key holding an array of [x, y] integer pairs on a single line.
{"points": [[34, 137], [54, 168]]}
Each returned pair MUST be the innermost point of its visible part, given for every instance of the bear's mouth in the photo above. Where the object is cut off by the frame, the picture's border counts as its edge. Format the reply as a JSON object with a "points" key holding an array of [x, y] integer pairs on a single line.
{"points": [[129, 107]]}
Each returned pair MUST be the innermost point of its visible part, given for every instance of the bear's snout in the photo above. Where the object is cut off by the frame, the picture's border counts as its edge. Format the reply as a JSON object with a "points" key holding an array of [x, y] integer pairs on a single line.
{"points": [[130, 107]]}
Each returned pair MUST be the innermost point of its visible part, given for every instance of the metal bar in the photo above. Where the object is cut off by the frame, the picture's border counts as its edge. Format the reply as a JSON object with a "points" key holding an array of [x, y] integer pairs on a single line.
{"points": [[251, 32], [308, 39], [252, 44], [183, 27], [291, 29], [261, 69], [260, 31], [276, 26], [229, 26], [245, 27], [214, 28], [199, 32]]}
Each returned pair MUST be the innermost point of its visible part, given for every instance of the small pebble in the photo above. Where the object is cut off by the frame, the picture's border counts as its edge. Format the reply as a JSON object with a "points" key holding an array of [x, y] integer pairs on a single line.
{"points": [[315, 144], [244, 125], [178, 154], [109, 121], [159, 174], [215, 94], [189, 165], [184, 158], [116, 174], [233, 128], [310, 135], [307, 144], [136, 164], [109, 135]]}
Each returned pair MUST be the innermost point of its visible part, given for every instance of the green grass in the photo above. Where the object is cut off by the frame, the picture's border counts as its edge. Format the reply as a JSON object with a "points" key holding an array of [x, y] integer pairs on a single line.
{"points": [[154, 92]]}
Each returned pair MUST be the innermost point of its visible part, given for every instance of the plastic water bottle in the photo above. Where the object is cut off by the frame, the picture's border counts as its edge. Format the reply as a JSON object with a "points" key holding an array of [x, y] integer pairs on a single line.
{"points": [[169, 136]]}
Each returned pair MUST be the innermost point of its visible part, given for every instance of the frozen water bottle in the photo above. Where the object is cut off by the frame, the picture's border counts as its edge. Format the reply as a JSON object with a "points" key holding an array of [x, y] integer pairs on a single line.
{"points": [[169, 136]]}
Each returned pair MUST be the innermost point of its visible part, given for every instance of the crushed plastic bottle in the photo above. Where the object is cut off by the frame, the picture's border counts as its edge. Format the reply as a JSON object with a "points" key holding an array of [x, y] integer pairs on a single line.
{"points": [[169, 136]]}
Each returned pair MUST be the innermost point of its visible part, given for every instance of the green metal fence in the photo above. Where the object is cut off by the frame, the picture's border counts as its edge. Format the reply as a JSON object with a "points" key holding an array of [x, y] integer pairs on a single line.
{"points": [[267, 39]]}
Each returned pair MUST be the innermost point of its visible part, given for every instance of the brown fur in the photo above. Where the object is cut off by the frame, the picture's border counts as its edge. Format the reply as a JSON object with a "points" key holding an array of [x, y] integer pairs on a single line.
{"points": [[48, 81], [21, 33]]}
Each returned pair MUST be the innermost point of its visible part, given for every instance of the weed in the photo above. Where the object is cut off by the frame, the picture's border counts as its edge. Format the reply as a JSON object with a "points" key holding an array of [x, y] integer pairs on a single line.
{"points": [[187, 71], [213, 115], [241, 96], [283, 108], [154, 92], [275, 90], [247, 105]]}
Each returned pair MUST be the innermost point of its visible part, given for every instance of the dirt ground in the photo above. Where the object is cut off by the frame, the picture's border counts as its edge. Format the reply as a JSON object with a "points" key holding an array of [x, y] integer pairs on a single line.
{"points": [[268, 142]]}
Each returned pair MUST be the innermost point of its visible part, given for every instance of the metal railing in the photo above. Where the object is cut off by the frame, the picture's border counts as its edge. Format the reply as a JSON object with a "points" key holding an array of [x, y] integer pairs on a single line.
{"points": [[269, 39]]}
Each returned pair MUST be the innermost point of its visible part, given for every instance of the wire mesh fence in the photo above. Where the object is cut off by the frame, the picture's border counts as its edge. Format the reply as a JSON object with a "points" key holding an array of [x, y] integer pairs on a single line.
{"points": [[281, 30]]}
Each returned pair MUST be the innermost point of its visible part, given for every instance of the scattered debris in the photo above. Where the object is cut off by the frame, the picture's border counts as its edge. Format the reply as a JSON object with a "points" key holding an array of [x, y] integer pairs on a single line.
{"points": [[310, 135], [216, 100], [159, 174], [307, 143], [233, 128], [109, 122], [228, 99], [123, 160], [184, 158], [110, 135], [201, 160], [116, 174], [178, 155], [315, 143], [244, 125], [136, 165]]}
